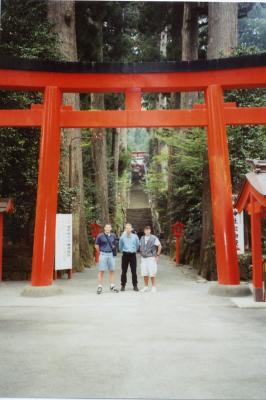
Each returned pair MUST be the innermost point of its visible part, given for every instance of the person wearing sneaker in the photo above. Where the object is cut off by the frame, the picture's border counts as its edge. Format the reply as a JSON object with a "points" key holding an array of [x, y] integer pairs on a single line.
{"points": [[129, 245], [150, 250], [106, 244]]}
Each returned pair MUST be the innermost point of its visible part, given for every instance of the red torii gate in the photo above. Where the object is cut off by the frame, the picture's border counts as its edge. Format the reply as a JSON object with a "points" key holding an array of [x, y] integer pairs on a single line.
{"points": [[210, 77]]}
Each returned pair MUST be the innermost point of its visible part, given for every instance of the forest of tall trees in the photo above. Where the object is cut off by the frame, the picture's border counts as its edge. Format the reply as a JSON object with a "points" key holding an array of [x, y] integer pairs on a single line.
{"points": [[94, 173]]}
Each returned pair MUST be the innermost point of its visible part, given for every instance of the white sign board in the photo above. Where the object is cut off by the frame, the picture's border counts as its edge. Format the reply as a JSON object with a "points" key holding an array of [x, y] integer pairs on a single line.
{"points": [[239, 230], [63, 242]]}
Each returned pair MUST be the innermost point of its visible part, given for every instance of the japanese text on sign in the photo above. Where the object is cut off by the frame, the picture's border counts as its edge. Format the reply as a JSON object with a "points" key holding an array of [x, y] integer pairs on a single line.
{"points": [[239, 231], [63, 242]]}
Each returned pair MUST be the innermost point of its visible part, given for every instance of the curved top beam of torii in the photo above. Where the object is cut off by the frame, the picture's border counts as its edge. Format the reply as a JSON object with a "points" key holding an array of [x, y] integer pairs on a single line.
{"points": [[133, 80], [233, 72]]}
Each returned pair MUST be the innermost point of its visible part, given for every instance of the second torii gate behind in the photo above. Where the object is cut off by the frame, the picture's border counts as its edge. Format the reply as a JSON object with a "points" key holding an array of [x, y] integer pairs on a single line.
{"points": [[51, 116]]}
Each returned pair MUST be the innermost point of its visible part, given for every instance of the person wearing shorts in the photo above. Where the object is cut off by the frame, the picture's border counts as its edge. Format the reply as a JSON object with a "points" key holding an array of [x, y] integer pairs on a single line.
{"points": [[150, 249], [105, 242]]}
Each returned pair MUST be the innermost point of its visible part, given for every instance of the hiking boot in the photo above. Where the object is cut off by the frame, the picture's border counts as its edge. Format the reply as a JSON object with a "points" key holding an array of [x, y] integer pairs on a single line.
{"points": [[123, 288]]}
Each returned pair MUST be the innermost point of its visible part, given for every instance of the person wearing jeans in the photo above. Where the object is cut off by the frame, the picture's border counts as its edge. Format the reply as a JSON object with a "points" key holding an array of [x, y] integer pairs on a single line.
{"points": [[129, 245]]}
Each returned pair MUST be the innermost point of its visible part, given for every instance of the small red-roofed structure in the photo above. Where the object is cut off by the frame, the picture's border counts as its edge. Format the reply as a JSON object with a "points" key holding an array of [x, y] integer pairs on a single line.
{"points": [[252, 198]]}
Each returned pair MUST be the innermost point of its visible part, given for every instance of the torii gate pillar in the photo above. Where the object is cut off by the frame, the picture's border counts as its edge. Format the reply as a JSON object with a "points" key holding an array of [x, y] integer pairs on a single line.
{"points": [[44, 233], [221, 191], [255, 211]]}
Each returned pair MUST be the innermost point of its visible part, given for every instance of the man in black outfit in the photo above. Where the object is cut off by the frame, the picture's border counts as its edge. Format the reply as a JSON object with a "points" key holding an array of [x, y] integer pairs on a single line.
{"points": [[129, 245]]}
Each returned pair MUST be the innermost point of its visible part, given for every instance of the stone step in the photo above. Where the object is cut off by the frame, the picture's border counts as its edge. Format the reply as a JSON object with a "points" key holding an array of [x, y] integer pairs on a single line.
{"points": [[139, 217]]}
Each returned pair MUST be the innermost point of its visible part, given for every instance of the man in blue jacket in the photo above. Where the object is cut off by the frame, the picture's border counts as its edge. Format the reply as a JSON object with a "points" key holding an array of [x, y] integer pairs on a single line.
{"points": [[129, 245]]}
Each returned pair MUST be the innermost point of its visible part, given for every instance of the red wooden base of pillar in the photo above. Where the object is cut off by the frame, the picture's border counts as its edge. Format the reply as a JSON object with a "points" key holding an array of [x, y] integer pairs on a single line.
{"points": [[258, 294]]}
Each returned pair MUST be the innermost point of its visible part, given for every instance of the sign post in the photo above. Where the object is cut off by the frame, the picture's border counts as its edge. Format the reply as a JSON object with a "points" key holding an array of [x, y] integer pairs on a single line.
{"points": [[239, 231], [63, 244]]}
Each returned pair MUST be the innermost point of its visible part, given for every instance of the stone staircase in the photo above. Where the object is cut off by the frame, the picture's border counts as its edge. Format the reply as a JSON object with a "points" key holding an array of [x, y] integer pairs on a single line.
{"points": [[139, 217]]}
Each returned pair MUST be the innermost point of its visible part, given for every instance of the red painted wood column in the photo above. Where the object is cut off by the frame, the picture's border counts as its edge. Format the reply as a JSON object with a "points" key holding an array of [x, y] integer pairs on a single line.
{"points": [[133, 99], [1, 244], [177, 250], [257, 273], [44, 234], [221, 190]]}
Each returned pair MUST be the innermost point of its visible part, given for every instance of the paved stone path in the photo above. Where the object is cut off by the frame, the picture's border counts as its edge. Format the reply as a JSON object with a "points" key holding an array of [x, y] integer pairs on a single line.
{"points": [[179, 343]]}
